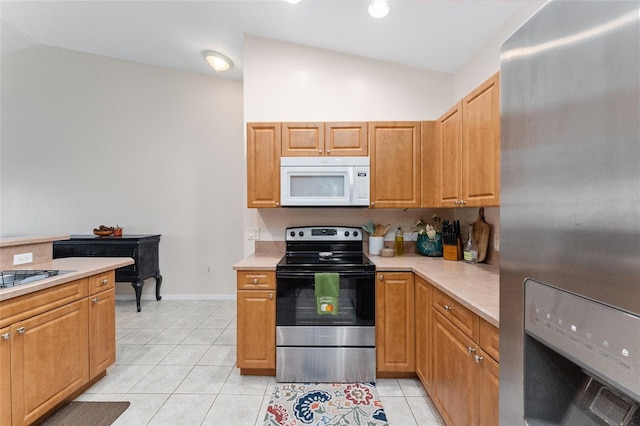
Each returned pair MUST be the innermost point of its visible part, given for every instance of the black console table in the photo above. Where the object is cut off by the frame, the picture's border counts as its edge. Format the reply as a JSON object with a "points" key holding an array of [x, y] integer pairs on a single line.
{"points": [[142, 248]]}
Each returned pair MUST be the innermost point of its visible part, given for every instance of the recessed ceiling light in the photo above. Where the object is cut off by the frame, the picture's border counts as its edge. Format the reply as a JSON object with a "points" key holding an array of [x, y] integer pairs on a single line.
{"points": [[379, 8], [293, 1], [217, 61]]}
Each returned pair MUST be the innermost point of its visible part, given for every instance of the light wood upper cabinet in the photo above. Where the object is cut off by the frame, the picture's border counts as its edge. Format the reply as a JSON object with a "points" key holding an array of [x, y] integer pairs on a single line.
{"points": [[335, 139], [263, 165], [346, 139], [468, 137], [481, 145], [395, 327], [394, 150], [302, 139], [429, 164]]}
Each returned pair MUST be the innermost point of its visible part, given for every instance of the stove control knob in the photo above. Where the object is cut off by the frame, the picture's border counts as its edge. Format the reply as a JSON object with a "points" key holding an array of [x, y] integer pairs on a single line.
{"points": [[355, 233], [346, 233], [301, 233], [293, 233]]}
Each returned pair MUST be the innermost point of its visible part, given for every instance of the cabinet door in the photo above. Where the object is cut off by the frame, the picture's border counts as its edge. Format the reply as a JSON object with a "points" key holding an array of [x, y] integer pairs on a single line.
{"points": [[102, 331], [346, 139], [395, 328], [263, 165], [302, 139], [394, 149], [429, 184], [481, 145], [489, 390], [5, 376], [455, 375], [48, 360], [423, 331], [256, 329], [449, 137]]}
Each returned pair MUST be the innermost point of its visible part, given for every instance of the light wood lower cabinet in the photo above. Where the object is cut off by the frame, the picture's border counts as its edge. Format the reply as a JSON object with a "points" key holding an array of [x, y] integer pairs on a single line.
{"points": [[395, 327], [53, 343], [423, 331], [464, 378], [5, 376], [49, 360], [256, 348]]}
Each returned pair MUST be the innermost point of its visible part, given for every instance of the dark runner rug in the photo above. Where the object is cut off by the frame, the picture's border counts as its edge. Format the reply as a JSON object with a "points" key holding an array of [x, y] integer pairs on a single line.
{"points": [[325, 404], [86, 413]]}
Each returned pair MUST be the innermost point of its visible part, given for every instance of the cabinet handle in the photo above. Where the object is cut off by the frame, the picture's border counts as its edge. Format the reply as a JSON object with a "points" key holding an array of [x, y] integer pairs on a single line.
{"points": [[463, 202], [328, 151], [381, 277], [255, 281], [277, 204], [373, 202], [319, 151], [6, 336], [478, 358], [21, 330], [95, 300], [270, 295], [105, 282], [448, 308], [471, 350]]}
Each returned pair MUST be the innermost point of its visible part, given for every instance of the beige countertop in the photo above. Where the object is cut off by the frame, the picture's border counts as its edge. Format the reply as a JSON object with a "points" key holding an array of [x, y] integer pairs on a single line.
{"points": [[20, 241], [475, 286], [80, 266]]}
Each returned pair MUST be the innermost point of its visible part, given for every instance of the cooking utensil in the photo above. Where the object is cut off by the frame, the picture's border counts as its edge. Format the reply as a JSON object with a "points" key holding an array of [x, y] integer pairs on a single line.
{"points": [[481, 230]]}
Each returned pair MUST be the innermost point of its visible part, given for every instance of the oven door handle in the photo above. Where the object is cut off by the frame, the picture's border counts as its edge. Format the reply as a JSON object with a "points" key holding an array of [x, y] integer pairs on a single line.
{"points": [[307, 274]]}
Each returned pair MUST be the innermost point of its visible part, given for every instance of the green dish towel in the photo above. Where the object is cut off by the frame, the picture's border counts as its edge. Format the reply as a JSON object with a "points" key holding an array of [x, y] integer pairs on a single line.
{"points": [[327, 293]]}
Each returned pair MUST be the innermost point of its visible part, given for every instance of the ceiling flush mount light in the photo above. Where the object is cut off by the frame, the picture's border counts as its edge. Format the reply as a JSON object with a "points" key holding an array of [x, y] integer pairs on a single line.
{"points": [[379, 8], [293, 1], [217, 61]]}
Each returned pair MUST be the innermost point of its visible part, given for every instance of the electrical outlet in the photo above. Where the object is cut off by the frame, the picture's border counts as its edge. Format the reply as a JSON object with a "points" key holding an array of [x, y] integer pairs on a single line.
{"points": [[208, 269], [496, 241], [22, 258], [253, 233]]}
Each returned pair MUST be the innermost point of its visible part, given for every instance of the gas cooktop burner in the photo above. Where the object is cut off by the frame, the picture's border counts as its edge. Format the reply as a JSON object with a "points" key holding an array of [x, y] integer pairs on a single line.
{"points": [[25, 276]]}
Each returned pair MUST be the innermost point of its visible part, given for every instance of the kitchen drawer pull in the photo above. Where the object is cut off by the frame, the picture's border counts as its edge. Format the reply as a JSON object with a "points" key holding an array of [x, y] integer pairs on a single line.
{"points": [[105, 281], [448, 308], [381, 277], [6, 336], [478, 358], [21, 330], [255, 281], [270, 295], [471, 350], [95, 300]]}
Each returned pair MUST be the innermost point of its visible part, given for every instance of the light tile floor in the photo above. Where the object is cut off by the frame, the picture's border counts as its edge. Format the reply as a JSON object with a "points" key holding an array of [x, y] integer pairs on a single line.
{"points": [[175, 363]]}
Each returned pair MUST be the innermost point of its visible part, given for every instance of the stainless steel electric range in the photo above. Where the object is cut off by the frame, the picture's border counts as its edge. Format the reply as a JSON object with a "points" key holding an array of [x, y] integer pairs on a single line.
{"points": [[319, 347]]}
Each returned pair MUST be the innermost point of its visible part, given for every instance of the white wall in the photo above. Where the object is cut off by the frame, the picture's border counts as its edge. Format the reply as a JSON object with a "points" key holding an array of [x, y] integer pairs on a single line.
{"points": [[486, 61], [90, 140], [289, 82]]}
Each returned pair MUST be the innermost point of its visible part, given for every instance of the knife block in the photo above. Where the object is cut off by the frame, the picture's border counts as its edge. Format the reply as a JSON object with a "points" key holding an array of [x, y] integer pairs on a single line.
{"points": [[452, 252]]}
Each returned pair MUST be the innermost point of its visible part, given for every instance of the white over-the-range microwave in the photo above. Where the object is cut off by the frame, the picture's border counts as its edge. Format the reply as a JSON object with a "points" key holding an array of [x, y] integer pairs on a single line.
{"points": [[324, 181]]}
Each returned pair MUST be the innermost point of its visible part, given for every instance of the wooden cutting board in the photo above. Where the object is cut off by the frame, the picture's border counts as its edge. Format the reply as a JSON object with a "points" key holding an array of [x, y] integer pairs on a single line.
{"points": [[481, 230]]}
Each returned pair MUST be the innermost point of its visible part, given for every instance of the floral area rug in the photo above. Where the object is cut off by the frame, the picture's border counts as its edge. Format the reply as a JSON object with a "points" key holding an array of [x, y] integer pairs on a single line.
{"points": [[323, 404]]}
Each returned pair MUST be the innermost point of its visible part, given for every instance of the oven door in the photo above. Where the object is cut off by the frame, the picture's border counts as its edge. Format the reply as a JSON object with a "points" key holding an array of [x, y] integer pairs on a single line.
{"points": [[296, 301]]}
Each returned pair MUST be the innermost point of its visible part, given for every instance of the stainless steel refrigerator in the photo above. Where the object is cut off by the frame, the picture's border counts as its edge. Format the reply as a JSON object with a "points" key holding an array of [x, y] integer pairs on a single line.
{"points": [[570, 216]]}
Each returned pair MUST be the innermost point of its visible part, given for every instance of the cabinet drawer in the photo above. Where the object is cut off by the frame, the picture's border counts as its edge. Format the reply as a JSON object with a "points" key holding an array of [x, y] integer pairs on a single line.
{"points": [[490, 339], [102, 282], [252, 280], [31, 304], [461, 317]]}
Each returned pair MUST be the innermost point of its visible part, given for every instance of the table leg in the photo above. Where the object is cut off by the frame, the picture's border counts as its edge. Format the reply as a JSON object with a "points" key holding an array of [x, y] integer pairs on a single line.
{"points": [[158, 278], [137, 286]]}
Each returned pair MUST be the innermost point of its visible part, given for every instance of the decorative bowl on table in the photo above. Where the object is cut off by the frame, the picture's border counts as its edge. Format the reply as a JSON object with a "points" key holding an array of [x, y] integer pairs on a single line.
{"points": [[103, 231]]}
